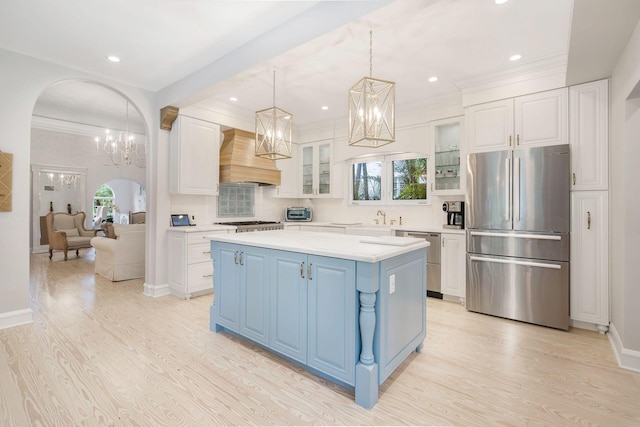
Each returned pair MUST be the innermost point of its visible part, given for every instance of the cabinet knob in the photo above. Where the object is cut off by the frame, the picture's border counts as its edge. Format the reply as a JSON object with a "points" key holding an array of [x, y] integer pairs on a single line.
{"points": [[588, 220]]}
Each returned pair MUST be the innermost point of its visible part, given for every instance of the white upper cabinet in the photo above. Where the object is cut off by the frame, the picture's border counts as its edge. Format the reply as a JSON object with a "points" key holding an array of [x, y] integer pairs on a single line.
{"points": [[318, 172], [288, 187], [588, 119], [446, 165], [194, 157], [538, 119], [489, 126]]}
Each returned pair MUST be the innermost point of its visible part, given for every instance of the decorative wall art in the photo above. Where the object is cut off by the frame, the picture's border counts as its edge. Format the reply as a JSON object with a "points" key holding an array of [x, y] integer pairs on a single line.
{"points": [[6, 171]]}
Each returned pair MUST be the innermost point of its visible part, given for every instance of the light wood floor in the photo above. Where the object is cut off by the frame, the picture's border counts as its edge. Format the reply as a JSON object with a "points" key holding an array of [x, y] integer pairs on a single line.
{"points": [[101, 353]]}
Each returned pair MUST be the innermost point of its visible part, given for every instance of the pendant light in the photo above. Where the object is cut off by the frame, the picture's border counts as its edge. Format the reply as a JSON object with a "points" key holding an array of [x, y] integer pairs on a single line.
{"points": [[273, 131], [372, 121]]}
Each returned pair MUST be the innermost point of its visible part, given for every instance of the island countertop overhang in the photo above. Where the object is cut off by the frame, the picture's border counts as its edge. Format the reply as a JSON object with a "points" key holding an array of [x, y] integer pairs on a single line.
{"points": [[351, 247]]}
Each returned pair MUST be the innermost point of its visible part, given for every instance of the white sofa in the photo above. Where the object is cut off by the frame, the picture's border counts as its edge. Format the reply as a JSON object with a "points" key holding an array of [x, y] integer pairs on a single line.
{"points": [[121, 258]]}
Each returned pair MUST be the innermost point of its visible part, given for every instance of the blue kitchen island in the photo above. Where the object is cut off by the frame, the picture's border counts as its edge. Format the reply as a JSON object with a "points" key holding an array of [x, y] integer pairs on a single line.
{"points": [[348, 308]]}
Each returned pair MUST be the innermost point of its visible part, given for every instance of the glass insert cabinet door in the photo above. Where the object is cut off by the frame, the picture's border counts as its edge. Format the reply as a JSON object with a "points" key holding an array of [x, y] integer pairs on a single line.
{"points": [[447, 169], [316, 169], [307, 170]]}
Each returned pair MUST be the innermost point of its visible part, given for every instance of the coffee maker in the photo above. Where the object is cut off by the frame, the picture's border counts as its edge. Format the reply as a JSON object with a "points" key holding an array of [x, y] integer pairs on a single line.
{"points": [[455, 214]]}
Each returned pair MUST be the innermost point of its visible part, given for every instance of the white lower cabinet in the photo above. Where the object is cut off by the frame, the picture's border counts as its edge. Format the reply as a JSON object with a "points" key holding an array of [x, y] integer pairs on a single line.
{"points": [[589, 289], [190, 266], [453, 267]]}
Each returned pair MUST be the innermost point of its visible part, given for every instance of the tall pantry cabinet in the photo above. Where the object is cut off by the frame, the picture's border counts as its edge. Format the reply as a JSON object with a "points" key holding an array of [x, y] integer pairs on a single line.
{"points": [[588, 123]]}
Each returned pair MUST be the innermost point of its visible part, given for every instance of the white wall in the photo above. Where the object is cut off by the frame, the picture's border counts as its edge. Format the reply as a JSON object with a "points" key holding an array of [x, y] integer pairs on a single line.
{"points": [[23, 79], [624, 237]]}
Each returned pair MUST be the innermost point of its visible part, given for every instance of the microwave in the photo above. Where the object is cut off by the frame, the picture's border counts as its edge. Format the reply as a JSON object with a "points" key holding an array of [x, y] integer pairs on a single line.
{"points": [[297, 214]]}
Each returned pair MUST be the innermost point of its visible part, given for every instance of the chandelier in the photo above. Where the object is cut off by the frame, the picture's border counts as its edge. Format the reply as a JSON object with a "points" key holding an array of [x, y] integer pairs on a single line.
{"points": [[273, 131], [372, 121], [123, 149], [59, 181]]}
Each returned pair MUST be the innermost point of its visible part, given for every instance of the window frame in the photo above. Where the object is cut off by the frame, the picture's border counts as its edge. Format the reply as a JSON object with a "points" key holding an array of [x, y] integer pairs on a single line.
{"points": [[386, 179]]}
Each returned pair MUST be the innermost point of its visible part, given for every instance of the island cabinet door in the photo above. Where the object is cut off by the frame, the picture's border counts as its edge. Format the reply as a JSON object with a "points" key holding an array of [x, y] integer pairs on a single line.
{"points": [[226, 278], [254, 294], [288, 307], [332, 317]]}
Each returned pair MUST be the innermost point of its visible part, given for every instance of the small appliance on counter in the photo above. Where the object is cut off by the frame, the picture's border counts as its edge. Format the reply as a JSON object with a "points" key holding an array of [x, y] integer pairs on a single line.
{"points": [[297, 214], [455, 214]]}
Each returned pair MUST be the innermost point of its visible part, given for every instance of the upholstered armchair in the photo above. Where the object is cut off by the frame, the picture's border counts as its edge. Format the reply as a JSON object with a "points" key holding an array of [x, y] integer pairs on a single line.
{"points": [[122, 257], [67, 231]]}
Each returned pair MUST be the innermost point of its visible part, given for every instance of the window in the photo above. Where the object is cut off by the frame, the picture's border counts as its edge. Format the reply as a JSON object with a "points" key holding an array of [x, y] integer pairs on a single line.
{"points": [[390, 179], [104, 197], [367, 181]]}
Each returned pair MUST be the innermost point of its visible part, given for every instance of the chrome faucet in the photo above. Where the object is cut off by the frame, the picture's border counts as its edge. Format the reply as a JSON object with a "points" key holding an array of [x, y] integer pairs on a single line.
{"points": [[384, 216]]}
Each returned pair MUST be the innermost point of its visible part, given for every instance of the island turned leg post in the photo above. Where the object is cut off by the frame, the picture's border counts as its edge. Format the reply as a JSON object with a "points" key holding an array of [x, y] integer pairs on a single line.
{"points": [[366, 368]]}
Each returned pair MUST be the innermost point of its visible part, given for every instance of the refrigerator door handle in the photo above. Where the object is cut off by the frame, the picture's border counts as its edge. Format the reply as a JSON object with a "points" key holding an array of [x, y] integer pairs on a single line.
{"points": [[516, 236], [509, 261], [516, 189], [508, 185]]}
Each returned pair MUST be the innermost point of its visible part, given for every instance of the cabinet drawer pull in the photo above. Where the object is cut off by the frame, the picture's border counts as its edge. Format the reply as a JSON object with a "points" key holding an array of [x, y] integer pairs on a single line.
{"points": [[588, 220], [206, 252], [510, 140], [518, 139], [574, 178], [241, 263], [207, 275], [235, 257], [302, 270], [309, 271]]}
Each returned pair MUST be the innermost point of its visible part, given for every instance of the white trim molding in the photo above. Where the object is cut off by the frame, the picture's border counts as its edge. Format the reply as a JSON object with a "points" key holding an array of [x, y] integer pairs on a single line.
{"points": [[156, 291], [16, 318], [627, 359]]}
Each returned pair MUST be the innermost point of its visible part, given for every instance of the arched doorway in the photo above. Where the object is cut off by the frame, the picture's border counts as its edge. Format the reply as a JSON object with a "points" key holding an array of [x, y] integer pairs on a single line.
{"points": [[67, 119]]}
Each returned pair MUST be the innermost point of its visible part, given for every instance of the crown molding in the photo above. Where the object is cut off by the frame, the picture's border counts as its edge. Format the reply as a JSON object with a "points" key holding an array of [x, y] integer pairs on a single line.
{"points": [[74, 128]]}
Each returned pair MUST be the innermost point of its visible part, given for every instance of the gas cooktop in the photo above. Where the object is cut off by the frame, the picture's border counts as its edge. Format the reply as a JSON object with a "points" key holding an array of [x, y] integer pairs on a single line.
{"points": [[243, 226]]}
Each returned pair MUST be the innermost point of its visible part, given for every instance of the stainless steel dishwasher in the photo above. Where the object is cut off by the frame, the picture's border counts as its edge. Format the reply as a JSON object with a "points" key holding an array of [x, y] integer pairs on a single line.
{"points": [[434, 288]]}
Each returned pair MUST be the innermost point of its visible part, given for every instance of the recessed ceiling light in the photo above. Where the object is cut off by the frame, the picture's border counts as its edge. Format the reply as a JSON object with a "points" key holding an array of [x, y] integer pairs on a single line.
{"points": [[500, 1], [433, 79], [113, 58], [234, 99], [324, 107], [515, 57]]}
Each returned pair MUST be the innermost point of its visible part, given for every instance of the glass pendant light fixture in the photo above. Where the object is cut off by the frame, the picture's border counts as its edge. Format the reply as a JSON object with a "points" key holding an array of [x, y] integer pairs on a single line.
{"points": [[122, 150], [273, 131], [372, 118]]}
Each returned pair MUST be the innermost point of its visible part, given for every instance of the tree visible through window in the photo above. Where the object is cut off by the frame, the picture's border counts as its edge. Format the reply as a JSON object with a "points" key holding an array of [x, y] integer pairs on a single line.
{"points": [[104, 197], [410, 179], [367, 181]]}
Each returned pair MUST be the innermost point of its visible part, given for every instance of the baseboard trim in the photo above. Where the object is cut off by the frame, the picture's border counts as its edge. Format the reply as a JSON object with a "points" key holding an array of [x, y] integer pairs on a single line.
{"points": [[16, 318], [627, 359], [156, 291]]}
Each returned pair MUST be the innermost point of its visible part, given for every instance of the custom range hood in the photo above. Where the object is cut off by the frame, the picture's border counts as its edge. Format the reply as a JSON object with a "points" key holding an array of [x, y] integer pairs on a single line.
{"points": [[238, 162]]}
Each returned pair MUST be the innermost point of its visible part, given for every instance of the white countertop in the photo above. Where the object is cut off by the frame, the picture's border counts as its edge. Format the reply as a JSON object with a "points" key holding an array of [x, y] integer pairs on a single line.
{"points": [[344, 246], [355, 225], [199, 228]]}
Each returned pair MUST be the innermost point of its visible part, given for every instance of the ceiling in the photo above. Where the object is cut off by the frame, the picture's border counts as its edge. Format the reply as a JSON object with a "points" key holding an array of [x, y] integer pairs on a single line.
{"points": [[162, 42]]}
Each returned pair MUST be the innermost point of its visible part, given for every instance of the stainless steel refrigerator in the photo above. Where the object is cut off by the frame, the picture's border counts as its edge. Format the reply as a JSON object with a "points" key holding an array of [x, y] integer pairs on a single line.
{"points": [[518, 216]]}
